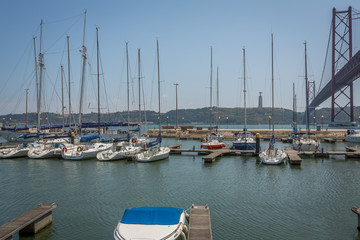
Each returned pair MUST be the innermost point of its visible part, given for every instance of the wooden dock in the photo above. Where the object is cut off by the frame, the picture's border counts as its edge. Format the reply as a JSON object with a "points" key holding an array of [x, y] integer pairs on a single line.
{"points": [[293, 156], [200, 223], [28, 223]]}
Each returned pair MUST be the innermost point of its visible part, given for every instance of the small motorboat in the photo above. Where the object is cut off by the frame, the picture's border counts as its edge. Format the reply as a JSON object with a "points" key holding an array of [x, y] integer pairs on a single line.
{"points": [[353, 135], [165, 223]]}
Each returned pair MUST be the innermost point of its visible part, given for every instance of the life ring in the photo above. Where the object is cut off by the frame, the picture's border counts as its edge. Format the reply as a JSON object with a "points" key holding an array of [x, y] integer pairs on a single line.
{"points": [[79, 149], [64, 149]]}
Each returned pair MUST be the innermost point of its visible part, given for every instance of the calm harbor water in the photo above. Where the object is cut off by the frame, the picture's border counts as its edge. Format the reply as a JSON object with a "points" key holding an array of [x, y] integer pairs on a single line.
{"points": [[247, 200]]}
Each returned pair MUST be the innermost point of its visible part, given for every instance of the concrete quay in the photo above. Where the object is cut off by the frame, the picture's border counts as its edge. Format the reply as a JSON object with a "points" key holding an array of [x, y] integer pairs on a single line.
{"points": [[198, 133]]}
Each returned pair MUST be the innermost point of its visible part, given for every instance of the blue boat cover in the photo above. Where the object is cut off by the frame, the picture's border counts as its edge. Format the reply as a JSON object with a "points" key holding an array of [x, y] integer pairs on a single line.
{"points": [[123, 139], [152, 216], [156, 142], [89, 138]]}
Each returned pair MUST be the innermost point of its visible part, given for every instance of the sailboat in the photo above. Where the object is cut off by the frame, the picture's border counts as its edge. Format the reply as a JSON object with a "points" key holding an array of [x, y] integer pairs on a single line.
{"points": [[272, 155], [87, 151], [128, 147], [15, 152], [151, 223], [245, 140], [306, 144], [213, 140], [155, 152]]}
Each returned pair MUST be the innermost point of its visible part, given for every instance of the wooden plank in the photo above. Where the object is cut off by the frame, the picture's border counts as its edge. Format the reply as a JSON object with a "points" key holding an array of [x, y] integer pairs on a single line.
{"points": [[200, 223], [15, 225]]}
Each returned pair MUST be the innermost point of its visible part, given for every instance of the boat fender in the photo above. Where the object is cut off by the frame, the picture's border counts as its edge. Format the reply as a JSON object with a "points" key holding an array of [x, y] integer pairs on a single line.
{"points": [[79, 149], [64, 149], [187, 216], [182, 236], [185, 230]]}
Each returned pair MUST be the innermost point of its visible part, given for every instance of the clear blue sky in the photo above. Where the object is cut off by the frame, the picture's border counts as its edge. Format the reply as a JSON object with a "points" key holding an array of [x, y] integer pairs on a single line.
{"points": [[185, 30]]}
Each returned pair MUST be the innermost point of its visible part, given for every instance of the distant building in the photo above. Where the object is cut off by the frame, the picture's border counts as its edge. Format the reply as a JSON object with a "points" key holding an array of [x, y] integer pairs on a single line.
{"points": [[260, 101]]}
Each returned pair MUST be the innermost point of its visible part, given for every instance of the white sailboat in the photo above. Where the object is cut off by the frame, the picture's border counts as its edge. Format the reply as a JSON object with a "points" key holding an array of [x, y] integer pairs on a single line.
{"points": [[125, 148], [15, 152], [87, 151], [213, 140], [155, 152], [165, 223], [301, 143], [245, 140], [272, 155]]}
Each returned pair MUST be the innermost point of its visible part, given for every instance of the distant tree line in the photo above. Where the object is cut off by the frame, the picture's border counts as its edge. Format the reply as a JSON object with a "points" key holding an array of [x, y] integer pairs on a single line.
{"points": [[215, 116]]}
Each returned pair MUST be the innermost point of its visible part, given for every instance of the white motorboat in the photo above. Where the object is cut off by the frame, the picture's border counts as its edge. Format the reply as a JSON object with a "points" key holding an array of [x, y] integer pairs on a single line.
{"points": [[153, 154], [15, 152], [85, 151], [165, 223], [113, 154], [353, 135]]}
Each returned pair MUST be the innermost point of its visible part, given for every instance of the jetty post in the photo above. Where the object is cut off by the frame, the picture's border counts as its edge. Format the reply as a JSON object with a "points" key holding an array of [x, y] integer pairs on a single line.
{"points": [[257, 149]]}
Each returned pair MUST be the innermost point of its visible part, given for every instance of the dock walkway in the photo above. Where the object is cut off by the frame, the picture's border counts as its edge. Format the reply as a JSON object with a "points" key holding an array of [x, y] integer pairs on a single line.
{"points": [[28, 223], [199, 223], [293, 156]]}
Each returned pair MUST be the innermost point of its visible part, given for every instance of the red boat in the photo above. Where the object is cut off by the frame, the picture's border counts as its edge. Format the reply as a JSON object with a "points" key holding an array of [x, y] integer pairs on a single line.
{"points": [[213, 144]]}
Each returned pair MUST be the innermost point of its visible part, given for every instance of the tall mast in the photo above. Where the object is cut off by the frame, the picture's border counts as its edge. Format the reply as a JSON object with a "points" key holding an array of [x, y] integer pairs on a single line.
{"points": [[83, 51], [176, 86], [98, 79], [41, 63], [272, 83], [68, 48], [127, 81], [139, 92], [26, 114], [62, 97], [294, 106], [217, 96], [210, 82], [37, 87], [158, 62], [244, 91], [307, 95]]}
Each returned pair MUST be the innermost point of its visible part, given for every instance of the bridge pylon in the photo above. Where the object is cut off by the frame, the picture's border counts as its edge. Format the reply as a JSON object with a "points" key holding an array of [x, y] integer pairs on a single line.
{"points": [[342, 98]]}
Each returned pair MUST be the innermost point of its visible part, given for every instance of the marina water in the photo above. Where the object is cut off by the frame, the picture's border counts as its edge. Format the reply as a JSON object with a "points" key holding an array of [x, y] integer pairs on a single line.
{"points": [[247, 200]]}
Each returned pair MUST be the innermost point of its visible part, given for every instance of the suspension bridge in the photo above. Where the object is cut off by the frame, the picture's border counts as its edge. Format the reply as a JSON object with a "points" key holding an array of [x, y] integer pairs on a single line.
{"points": [[345, 68]]}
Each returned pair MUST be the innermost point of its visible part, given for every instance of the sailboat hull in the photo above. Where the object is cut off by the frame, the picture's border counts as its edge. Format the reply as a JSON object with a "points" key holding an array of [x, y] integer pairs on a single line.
{"points": [[244, 145]]}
